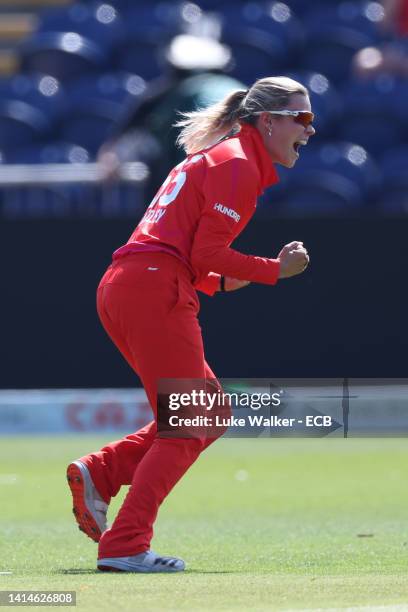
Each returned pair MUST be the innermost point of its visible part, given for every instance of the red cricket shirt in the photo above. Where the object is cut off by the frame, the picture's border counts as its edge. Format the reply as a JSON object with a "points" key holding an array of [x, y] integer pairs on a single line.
{"points": [[203, 205]]}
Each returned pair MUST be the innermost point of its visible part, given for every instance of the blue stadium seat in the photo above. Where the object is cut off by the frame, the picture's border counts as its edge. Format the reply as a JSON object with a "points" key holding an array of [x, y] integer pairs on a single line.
{"points": [[53, 200], [272, 23], [94, 104], [21, 124], [375, 113], [97, 21], [334, 179], [113, 86], [393, 197], [149, 27], [364, 16], [67, 200], [334, 35], [255, 54], [327, 104], [216, 5], [302, 9], [42, 91], [88, 123], [52, 152], [141, 54], [171, 17], [71, 200], [61, 55]]}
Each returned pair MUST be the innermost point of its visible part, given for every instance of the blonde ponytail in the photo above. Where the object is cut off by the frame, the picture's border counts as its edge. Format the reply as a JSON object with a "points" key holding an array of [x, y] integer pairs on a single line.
{"points": [[204, 127]]}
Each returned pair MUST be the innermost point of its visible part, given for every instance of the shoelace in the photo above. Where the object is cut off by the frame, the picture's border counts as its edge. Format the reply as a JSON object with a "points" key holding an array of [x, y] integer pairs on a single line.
{"points": [[171, 561]]}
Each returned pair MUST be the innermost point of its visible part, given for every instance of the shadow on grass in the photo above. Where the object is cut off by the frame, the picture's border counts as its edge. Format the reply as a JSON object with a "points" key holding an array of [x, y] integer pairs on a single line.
{"points": [[192, 571], [87, 571], [75, 571]]}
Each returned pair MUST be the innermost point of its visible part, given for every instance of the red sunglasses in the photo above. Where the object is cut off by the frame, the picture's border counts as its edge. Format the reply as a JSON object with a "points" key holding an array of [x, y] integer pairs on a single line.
{"points": [[303, 117]]}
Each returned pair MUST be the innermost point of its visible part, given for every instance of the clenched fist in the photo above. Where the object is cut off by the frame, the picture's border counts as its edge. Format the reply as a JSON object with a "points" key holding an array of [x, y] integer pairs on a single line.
{"points": [[293, 259]]}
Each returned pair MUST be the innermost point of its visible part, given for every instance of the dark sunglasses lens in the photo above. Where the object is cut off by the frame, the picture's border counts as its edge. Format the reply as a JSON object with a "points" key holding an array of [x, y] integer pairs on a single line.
{"points": [[304, 119]]}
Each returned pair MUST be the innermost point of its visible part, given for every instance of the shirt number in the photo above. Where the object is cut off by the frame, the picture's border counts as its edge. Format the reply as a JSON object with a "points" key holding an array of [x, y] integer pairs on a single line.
{"points": [[172, 186]]}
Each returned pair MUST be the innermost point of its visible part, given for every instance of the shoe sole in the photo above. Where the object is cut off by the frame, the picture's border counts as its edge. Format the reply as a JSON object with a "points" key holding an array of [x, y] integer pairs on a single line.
{"points": [[83, 515], [109, 568], [118, 564]]}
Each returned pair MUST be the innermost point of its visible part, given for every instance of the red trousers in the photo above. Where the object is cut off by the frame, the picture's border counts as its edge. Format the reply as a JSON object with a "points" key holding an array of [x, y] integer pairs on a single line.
{"points": [[148, 306]]}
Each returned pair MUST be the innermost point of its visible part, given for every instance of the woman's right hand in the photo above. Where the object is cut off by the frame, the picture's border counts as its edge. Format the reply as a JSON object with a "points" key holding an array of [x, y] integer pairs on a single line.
{"points": [[293, 259]]}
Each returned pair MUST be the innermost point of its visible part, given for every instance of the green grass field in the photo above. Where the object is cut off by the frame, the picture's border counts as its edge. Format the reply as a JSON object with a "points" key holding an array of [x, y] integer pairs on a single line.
{"points": [[262, 524]]}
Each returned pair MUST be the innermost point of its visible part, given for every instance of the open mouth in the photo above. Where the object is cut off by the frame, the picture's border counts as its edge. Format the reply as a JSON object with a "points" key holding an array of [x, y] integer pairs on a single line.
{"points": [[298, 144]]}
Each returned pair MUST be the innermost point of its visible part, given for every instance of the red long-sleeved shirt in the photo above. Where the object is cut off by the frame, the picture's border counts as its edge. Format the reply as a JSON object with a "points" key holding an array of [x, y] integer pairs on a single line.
{"points": [[203, 205]]}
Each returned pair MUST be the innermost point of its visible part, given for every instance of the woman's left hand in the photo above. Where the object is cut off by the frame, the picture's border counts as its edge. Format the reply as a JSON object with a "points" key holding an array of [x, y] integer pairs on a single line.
{"points": [[231, 284]]}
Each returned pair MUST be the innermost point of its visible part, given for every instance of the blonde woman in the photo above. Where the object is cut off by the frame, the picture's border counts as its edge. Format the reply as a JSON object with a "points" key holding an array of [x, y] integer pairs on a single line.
{"points": [[148, 305]]}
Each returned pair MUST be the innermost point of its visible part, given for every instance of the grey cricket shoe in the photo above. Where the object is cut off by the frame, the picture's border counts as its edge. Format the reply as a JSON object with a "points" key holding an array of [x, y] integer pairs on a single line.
{"points": [[146, 562], [88, 506]]}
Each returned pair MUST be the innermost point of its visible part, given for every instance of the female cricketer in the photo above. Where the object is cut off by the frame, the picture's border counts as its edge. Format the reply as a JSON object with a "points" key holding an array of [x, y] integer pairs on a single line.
{"points": [[148, 305]]}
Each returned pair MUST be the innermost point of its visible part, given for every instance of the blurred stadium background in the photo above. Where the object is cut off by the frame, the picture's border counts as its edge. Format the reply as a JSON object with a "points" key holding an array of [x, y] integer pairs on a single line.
{"points": [[80, 80], [69, 66]]}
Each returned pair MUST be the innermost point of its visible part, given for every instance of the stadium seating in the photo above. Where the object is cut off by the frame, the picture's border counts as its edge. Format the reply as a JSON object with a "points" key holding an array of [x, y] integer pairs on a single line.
{"points": [[327, 103], [335, 32], [255, 53], [21, 124], [148, 28], [43, 92], [52, 152], [302, 9], [61, 55], [375, 113], [53, 200], [113, 86], [87, 122], [169, 17], [362, 16], [141, 54], [328, 180], [330, 51], [78, 69], [97, 21], [272, 29]]}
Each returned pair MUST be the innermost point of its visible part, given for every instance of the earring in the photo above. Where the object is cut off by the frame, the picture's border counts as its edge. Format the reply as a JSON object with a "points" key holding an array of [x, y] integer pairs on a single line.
{"points": [[270, 132]]}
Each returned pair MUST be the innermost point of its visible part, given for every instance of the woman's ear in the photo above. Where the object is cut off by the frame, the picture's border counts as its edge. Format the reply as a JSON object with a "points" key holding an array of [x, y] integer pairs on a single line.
{"points": [[261, 123], [265, 123]]}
